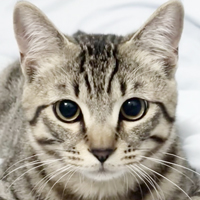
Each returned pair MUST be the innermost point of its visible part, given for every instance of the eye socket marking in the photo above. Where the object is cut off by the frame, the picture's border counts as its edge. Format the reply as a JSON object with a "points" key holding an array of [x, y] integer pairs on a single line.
{"points": [[34, 120], [133, 109], [67, 111]]}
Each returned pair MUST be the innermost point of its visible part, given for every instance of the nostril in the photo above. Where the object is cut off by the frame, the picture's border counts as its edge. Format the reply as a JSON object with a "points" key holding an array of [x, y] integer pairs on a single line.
{"points": [[102, 154]]}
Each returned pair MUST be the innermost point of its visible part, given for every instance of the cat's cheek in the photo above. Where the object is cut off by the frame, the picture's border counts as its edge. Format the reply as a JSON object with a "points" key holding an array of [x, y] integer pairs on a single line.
{"points": [[38, 132], [123, 156], [89, 161]]}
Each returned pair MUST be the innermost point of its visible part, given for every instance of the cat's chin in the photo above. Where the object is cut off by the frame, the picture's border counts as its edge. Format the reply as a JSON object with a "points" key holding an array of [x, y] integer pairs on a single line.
{"points": [[103, 174]]}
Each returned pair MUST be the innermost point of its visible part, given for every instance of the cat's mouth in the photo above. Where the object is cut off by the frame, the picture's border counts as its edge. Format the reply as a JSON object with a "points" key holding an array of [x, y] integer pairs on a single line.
{"points": [[102, 170], [103, 174]]}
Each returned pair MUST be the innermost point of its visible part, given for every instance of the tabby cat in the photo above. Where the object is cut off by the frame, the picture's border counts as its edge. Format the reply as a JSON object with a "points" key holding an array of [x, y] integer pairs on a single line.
{"points": [[92, 117]]}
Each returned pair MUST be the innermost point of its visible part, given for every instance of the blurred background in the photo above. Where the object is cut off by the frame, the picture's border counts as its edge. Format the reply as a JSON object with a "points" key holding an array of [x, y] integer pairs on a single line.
{"points": [[122, 17]]}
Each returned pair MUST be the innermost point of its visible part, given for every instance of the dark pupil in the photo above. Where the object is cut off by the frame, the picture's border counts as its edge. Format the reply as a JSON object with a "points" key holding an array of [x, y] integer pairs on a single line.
{"points": [[132, 107], [68, 108]]}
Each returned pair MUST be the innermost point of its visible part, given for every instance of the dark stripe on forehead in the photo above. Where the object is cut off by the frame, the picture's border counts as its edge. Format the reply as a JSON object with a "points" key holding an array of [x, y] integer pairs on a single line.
{"points": [[76, 89], [123, 88], [87, 83], [115, 70], [37, 114], [82, 61], [165, 112]]}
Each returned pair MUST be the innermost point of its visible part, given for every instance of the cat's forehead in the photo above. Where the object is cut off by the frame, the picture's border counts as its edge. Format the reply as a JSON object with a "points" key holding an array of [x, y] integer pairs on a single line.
{"points": [[98, 41], [98, 62], [103, 68], [97, 50]]}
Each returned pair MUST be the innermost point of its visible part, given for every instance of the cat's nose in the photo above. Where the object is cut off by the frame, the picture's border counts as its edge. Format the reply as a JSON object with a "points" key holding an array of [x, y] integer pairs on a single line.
{"points": [[102, 154]]}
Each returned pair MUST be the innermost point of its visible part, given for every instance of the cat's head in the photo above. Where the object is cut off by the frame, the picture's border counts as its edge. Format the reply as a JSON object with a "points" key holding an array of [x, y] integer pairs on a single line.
{"points": [[99, 104]]}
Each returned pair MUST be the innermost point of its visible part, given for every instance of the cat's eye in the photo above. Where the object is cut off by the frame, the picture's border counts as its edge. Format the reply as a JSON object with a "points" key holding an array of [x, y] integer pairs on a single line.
{"points": [[66, 110], [134, 109]]}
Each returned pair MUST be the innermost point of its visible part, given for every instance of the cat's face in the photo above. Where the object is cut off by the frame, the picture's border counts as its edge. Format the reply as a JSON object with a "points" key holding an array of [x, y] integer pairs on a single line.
{"points": [[99, 104]]}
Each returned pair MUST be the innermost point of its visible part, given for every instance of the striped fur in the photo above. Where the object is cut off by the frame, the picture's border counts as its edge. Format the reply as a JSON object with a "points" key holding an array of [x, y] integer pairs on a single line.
{"points": [[47, 159]]}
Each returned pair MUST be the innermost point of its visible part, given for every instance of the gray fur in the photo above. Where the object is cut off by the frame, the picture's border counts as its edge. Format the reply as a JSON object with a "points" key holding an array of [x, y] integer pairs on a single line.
{"points": [[47, 159]]}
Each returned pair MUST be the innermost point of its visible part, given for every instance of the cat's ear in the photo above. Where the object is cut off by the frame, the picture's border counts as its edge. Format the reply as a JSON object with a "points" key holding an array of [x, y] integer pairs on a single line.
{"points": [[36, 36], [160, 35]]}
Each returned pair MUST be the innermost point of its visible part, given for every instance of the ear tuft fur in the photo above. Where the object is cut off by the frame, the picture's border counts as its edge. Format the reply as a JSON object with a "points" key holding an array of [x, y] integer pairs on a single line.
{"points": [[161, 34], [36, 36]]}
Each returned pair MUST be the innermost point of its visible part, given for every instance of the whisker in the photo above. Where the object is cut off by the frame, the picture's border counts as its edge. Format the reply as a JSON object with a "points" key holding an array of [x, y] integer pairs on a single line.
{"points": [[173, 164], [166, 179], [117, 134], [69, 180], [19, 162], [131, 169], [63, 170], [162, 163], [149, 149], [126, 181], [46, 177], [29, 171], [20, 167], [153, 182], [173, 155], [58, 181], [138, 184], [149, 181]]}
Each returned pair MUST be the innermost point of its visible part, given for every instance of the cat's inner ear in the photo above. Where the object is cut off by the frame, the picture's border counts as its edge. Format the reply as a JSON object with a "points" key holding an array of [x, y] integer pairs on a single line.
{"points": [[161, 34], [35, 34]]}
